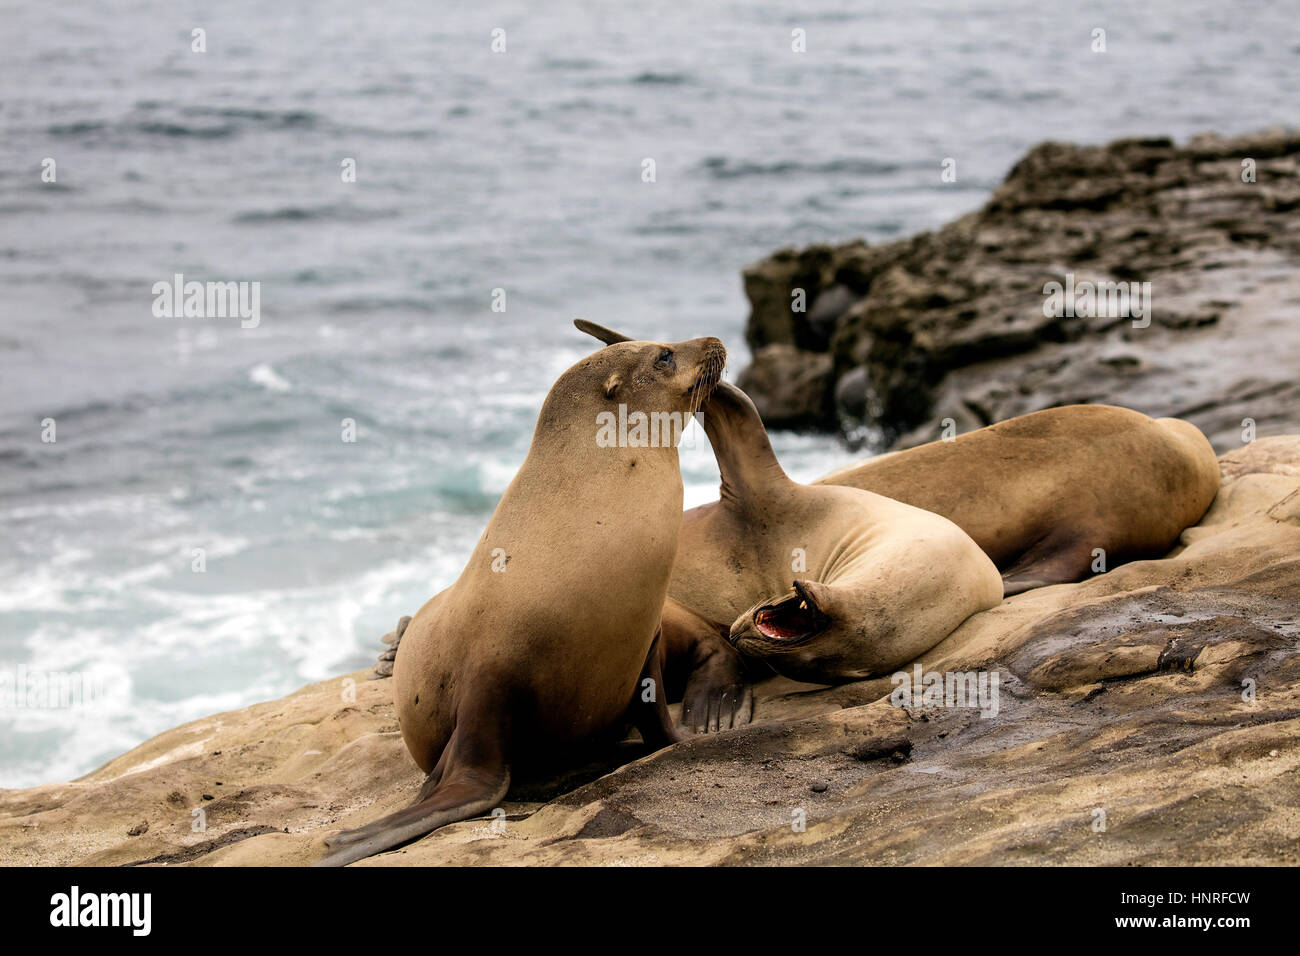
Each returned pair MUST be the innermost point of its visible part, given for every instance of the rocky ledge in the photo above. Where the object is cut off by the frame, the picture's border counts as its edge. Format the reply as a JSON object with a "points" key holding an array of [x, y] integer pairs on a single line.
{"points": [[955, 324], [1149, 715]]}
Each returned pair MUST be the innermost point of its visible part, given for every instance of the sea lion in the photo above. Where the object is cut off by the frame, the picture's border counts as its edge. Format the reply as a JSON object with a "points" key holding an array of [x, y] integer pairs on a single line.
{"points": [[823, 588], [824, 584], [1057, 494], [549, 635]]}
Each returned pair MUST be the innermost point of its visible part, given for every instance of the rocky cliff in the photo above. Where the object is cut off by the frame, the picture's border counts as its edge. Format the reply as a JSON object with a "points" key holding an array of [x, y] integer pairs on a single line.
{"points": [[956, 324]]}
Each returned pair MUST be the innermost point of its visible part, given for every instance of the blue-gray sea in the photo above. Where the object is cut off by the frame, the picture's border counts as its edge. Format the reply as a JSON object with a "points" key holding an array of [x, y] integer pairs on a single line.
{"points": [[475, 171]]}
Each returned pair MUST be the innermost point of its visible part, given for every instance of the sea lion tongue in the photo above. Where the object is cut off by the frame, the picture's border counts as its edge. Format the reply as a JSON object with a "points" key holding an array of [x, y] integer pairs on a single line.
{"points": [[791, 619]]}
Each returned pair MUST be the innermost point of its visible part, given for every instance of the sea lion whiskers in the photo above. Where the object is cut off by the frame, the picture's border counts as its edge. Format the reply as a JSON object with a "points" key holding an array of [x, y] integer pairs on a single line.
{"points": [[710, 374]]}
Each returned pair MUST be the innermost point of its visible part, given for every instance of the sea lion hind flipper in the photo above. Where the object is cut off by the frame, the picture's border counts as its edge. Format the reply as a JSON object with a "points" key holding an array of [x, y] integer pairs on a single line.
{"points": [[712, 679], [461, 797], [394, 637], [1057, 559], [470, 778], [719, 693]]}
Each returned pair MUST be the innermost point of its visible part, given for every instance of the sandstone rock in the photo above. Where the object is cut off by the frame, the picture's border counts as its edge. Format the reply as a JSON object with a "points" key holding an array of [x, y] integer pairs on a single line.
{"points": [[1148, 715]]}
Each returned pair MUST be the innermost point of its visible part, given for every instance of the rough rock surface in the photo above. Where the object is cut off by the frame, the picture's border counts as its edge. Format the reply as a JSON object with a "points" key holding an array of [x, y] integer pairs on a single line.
{"points": [[792, 385], [1126, 732], [951, 324]]}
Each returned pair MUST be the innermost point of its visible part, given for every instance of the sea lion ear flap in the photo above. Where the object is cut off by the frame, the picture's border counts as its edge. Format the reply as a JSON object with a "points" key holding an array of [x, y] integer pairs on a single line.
{"points": [[612, 383], [608, 336]]}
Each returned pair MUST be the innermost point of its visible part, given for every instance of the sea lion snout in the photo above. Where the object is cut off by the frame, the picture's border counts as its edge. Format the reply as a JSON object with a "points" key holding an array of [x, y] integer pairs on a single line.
{"points": [[710, 363]]}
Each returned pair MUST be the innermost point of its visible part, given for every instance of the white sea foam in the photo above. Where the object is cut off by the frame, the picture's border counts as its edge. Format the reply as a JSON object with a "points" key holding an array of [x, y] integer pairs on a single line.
{"points": [[267, 377]]}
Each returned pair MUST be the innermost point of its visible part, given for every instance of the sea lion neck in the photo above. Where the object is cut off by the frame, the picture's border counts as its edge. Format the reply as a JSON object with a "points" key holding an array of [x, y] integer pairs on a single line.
{"points": [[570, 438], [744, 453]]}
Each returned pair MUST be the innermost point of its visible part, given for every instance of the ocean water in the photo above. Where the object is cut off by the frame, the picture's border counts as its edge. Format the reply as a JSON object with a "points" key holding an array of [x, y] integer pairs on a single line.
{"points": [[476, 171]]}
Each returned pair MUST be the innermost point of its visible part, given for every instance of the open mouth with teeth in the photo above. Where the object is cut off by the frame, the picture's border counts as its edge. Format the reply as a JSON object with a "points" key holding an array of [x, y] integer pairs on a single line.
{"points": [[791, 620]]}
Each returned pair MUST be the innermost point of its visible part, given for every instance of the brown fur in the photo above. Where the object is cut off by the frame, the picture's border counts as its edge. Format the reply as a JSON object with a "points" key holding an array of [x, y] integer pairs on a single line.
{"points": [[880, 581], [888, 581], [554, 649], [1041, 491], [1037, 493]]}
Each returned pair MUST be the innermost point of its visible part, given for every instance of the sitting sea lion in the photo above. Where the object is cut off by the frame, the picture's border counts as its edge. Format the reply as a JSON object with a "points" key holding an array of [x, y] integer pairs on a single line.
{"points": [[825, 584], [549, 635]]}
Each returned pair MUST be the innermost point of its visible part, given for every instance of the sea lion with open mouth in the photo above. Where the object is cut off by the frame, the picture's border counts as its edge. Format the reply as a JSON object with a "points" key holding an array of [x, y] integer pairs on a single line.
{"points": [[549, 636], [825, 584], [1051, 497]]}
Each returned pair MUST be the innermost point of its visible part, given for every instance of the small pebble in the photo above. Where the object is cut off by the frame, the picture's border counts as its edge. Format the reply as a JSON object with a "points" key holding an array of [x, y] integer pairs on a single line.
{"points": [[821, 786]]}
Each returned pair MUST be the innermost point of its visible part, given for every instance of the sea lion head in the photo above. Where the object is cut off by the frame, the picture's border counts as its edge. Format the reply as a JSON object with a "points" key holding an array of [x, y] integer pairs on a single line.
{"points": [[631, 376], [797, 635]]}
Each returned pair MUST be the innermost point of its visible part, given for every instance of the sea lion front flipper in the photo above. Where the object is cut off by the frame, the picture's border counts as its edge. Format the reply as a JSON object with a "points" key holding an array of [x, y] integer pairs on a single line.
{"points": [[344, 837], [718, 695], [453, 801], [711, 677]]}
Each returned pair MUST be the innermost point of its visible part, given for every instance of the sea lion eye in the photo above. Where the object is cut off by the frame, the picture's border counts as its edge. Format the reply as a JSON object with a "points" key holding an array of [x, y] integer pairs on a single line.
{"points": [[665, 360]]}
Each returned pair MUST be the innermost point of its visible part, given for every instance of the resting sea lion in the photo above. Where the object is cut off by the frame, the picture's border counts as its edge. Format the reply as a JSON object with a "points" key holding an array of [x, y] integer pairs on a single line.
{"points": [[825, 584], [1041, 493], [546, 638]]}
